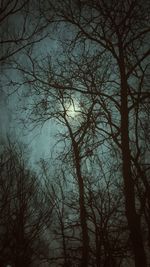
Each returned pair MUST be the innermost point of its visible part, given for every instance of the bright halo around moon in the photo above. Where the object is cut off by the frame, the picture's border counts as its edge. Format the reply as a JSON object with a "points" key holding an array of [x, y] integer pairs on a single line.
{"points": [[73, 109]]}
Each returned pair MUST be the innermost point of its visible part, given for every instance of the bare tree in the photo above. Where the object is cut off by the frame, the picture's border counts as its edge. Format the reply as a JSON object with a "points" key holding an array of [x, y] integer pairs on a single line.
{"points": [[116, 28], [23, 221]]}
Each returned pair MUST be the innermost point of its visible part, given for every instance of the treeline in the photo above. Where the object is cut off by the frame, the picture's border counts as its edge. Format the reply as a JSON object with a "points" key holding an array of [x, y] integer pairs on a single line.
{"points": [[41, 223]]}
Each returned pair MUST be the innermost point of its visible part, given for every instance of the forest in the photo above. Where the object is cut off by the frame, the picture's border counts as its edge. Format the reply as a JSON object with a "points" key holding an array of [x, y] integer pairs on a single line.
{"points": [[75, 74]]}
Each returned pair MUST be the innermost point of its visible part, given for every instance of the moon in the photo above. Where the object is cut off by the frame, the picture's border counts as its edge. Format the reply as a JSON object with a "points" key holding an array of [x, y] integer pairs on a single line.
{"points": [[73, 109]]}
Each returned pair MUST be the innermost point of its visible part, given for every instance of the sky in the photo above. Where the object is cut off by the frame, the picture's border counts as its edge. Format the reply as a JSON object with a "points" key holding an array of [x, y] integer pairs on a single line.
{"points": [[40, 140]]}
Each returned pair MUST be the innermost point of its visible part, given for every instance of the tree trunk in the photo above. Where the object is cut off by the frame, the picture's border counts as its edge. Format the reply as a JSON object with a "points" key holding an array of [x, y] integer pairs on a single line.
{"points": [[83, 215], [131, 214]]}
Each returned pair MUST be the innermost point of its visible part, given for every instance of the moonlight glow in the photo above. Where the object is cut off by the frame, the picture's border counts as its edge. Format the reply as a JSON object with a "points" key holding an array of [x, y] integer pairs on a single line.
{"points": [[73, 109]]}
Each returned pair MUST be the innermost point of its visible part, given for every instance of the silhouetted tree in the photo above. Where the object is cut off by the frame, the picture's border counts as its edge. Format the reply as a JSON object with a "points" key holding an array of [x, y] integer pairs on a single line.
{"points": [[24, 213], [116, 28]]}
